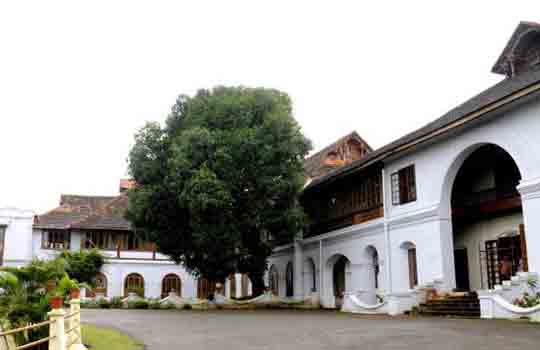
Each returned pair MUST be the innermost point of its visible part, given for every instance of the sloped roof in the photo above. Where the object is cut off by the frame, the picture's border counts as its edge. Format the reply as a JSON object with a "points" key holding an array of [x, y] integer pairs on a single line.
{"points": [[86, 212], [315, 166], [519, 84]]}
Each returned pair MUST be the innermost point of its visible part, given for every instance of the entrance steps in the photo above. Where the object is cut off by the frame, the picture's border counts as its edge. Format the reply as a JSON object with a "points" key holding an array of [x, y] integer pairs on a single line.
{"points": [[460, 305]]}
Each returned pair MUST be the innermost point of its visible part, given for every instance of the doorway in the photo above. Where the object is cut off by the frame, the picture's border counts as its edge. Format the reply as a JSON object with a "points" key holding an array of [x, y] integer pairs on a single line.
{"points": [[461, 261]]}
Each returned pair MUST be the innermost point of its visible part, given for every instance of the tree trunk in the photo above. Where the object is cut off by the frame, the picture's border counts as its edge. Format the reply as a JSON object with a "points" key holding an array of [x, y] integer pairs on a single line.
{"points": [[257, 283]]}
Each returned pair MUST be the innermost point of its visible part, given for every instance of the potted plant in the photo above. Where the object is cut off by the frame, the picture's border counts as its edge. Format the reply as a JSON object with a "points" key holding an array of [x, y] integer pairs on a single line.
{"points": [[56, 301]]}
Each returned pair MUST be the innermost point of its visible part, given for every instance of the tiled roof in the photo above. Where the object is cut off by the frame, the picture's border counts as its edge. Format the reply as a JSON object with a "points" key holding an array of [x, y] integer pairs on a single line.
{"points": [[489, 97], [86, 212], [315, 165]]}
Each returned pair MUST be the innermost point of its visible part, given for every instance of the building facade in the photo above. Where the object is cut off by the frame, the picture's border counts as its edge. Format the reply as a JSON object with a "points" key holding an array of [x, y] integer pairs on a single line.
{"points": [[83, 222], [452, 205]]}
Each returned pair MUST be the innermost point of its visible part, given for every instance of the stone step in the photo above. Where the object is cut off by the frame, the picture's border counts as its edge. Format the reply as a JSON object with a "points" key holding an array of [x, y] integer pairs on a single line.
{"points": [[453, 304], [472, 314]]}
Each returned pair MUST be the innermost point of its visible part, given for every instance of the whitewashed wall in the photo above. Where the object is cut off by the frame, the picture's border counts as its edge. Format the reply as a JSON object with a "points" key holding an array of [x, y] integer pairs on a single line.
{"points": [[18, 235]]}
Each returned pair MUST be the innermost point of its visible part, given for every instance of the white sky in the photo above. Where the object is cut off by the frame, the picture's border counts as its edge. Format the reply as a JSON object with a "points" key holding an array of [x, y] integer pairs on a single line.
{"points": [[77, 79]]}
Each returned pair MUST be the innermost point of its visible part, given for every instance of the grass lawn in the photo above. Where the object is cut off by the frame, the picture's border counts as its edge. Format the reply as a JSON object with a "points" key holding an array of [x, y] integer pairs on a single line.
{"points": [[98, 338]]}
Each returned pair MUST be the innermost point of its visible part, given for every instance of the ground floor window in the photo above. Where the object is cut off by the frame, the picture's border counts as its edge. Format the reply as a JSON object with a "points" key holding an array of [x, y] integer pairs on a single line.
{"points": [[205, 288], [134, 283], [413, 268], [245, 285], [171, 283]]}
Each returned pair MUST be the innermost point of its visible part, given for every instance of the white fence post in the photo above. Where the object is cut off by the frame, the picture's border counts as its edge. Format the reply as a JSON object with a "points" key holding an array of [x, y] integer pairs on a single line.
{"points": [[76, 333], [57, 330]]}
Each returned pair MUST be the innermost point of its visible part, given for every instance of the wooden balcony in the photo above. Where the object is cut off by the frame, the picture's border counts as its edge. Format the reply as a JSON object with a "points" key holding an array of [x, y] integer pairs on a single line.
{"points": [[354, 218]]}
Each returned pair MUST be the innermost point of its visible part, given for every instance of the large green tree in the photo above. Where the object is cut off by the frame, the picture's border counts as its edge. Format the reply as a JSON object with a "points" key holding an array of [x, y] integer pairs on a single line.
{"points": [[218, 184]]}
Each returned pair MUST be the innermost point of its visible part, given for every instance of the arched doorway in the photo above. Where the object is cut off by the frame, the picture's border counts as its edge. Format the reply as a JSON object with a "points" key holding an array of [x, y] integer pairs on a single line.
{"points": [[171, 283], [373, 267], [310, 276], [340, 267], [289, 280], [134, 283], [273, 280], [487, 220]]}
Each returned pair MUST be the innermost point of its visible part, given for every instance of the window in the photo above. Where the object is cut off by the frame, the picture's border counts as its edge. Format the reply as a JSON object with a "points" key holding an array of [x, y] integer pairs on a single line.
{"points": [[55, 240], [171, 283], [403, 185], [134, 283], [101, 240], [413, 268]]}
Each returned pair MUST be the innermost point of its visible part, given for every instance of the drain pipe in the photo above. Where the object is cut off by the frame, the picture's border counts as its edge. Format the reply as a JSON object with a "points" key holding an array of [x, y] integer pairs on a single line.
{"points": [[388, 263]]}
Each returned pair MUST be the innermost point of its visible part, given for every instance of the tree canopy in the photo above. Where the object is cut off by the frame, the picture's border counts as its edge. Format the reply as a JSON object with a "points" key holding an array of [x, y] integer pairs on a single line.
{"points": [[218, 184]]}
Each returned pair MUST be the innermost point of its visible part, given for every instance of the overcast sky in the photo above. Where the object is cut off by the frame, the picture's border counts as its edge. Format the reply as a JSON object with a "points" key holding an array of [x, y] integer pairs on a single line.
{"points": [[77, 79]]}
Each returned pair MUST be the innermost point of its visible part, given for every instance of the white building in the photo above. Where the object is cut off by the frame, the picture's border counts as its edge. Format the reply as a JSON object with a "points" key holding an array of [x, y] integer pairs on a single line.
{"points": [[82, 222], [453, 205]]}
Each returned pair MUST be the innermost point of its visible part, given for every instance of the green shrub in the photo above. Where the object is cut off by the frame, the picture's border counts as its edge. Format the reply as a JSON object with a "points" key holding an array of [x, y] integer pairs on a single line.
{"points": [[83, 265], [104, 303], [116, 303], [187, 307], [90, 304], [138, 304], [154, 304], [168, 306]]}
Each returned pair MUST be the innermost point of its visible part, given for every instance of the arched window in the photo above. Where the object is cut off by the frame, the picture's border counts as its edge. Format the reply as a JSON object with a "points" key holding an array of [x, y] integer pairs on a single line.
{"points": [[134, 283], [273, 280], [410, 248], [99, 286], [171, 283], [289, 278]]}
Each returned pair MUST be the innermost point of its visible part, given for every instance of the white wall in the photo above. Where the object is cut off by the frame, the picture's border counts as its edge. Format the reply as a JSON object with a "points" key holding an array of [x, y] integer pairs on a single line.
{"points": [[18, 235]]}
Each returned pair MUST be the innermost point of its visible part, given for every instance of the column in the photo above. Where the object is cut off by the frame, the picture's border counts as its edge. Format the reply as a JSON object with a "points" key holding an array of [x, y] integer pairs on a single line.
{"points": [[530, 201], [57, 330]]}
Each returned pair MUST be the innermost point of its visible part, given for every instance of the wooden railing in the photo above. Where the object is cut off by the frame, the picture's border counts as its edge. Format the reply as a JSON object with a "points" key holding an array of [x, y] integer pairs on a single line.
{"points": [[64, 331]]}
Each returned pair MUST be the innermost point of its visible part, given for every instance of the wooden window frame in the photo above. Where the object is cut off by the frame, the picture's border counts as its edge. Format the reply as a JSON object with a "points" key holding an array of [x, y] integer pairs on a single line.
{"points": [[46, 239], [169, 280], [403, 185], [128, 288]]}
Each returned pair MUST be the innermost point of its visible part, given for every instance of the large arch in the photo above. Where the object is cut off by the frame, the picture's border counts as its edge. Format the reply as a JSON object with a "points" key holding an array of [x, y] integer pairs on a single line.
{"points": [[480, 200]]}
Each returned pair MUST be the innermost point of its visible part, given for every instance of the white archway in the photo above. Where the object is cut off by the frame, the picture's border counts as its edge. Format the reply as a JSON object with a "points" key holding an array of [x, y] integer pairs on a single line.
{"points": [[310, 276], [338, 272]]}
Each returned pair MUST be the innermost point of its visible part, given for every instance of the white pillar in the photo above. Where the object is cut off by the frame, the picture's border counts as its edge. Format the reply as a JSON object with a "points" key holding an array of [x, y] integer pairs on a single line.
{"points": [[57, 330], [530, 201], [298, 270], [76, 334]]}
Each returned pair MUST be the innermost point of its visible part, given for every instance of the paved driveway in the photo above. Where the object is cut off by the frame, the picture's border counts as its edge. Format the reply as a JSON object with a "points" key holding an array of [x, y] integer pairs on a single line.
{"points": [[313, 330]]}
